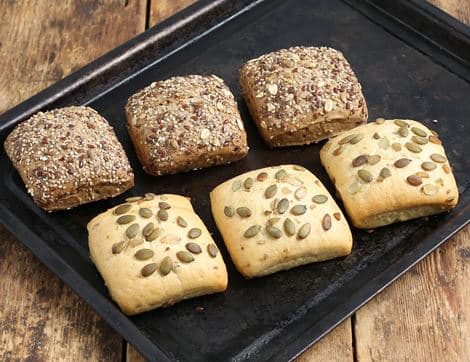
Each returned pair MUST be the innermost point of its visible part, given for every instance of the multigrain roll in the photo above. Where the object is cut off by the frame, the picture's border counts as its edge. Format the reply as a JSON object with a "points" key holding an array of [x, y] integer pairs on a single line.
{"points": [[302, 95], [389, 171], [185, 123], [69, 156]]}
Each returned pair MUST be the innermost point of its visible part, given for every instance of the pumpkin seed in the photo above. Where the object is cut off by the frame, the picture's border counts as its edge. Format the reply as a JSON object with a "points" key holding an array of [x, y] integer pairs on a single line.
{"points": [[143, 254], [243, 211], [337, 216], [194, 233], [380, 121], [300, 193], [438, 158], [145, 212], [148, 229], [149, 269], [419, 140], [319, 199], [273, 220], [282, 206], [402, 162], [359, 160], [385, 172], [373, 159], [418, 131], [212, 250], [338, 151], [164, 205], [304, 231], [428, 166], [414, 180], [413, 147], [274, 231], [365, 175], [154, 234], [125, 219], [237, 185], [298, 168], [422, 174], [446, 168], [396, 146], [229, 211], [384, 143], [298, 210], [122, 209], [270, 191], [376, 136], [401, 123], [149, 196], [194, 248], [252, 231], [134, 198], [326, 222], [166, 266], [119, 247], [262, 176], [132, 230], [355, 187], [289, 227], [279, 175], [184, 256], [181, 222], [429, 189], [435, 140], [162, 214], [294, 181], [403, 131], [346, 139], [249, 182], [356, 138]]}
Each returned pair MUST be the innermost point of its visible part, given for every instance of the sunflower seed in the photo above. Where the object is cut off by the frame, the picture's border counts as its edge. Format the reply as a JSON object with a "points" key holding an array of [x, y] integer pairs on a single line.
{"points": [[338, 151], [438, 158], [380, 121], [346, 139], [149, 269], [270, 191], [359, 160], [402, 162], [148, 229], [184, 256], [413, 147], [414, 180], [162, 215], [289, 227], [403, 131], [125, 219], [282, 206], [262, 176], [154, 234], [166, 266], [365, 175], [304, 231], [143, 254], [122, 209], [435, 140], [132, 230], [356, 138], [319, 199], [396, 146], [429, 189], [119, 247], [229, 211], [212, 250], [385, 172], [298, 210], [419, 140], [326, 222], [446, 168], [252, 231], [384, 143], [134, 198], [194, 233], [193, 248], [249, 182], [428, 166], [418, 131], [243, 211], [373, 159], [300, 193], [145, 212], [274, 231], [280, 175], [164, 205], [237, 185], [181, 222], [401, 123]]}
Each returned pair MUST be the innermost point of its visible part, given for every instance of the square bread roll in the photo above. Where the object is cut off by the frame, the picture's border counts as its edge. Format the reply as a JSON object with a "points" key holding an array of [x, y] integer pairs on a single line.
{"points": [[185, 123], [277, 218], [302, 95], [389, 171], [68, 157], [154, 251]]}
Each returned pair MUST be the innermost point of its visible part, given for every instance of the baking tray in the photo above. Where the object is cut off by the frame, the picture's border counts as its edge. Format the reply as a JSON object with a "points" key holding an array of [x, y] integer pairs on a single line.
{"points": [[412, 60]]}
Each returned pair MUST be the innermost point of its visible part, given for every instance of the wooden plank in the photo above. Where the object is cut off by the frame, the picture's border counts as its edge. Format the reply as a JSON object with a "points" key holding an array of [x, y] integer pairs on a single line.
{"points": [[162, 9], [40, 42]]}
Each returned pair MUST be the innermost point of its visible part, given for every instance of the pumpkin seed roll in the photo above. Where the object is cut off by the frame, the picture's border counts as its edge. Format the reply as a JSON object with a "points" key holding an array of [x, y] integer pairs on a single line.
{"points": [[69, 156], [302, 95], [389, 171], [277, 218], [154, 251], [185, 123]]}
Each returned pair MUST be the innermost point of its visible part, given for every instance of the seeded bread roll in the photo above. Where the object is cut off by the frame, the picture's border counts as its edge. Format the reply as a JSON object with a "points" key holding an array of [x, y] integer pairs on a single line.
{"points": [[302, 95], [389, 171], [185, 123], [277, 218], [68, 157], [155, 251]]}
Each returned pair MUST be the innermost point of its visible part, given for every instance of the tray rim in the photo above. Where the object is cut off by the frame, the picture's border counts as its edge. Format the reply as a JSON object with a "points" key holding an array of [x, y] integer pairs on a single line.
{"points": [[85, 75]]}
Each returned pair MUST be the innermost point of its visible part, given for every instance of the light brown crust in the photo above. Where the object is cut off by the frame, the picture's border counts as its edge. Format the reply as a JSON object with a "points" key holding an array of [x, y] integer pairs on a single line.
{"points": [[302, 95], [185, 123], [386, 200], [68, 157]]}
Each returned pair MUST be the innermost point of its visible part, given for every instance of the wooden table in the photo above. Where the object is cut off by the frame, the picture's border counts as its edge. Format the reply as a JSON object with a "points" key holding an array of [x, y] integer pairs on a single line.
{"points": [[424, 316]]}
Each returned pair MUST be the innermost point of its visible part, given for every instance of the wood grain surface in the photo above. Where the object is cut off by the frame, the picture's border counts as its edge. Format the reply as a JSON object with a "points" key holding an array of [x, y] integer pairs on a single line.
{"points": [[424, 316]]}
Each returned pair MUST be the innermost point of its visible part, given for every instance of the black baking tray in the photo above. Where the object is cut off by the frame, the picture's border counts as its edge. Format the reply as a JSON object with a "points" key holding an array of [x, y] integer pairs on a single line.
{"points": [[413, 62]]}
